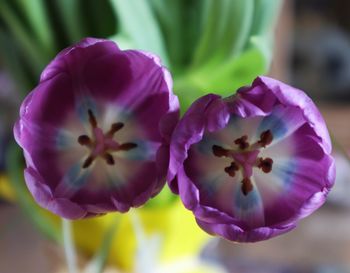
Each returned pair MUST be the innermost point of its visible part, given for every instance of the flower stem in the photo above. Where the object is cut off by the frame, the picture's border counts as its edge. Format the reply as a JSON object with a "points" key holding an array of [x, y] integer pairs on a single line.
{"points": [[69, 248]]}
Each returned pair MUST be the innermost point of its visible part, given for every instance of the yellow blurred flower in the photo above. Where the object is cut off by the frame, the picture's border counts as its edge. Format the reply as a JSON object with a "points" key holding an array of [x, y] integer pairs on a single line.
{"points": [[179, 233], [5, 189]]}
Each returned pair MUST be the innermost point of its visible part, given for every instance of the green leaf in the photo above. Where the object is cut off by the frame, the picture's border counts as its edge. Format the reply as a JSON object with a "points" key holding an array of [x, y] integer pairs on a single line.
{"points": [[211, 27], [35, 55], [99, 18], [11, 59], [223, 80], [71, 18], [236, 73], [261, 34], [14, 166], [265, 16], [238, 27], [138, 22], [36, 14], [226, 27], [124, 42], [264, 44], [168, 14], [180, 23]]}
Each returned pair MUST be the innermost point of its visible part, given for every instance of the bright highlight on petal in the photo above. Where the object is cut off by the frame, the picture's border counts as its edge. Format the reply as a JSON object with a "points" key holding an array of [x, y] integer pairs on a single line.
{"points": [[251, 165], [91, 130]]}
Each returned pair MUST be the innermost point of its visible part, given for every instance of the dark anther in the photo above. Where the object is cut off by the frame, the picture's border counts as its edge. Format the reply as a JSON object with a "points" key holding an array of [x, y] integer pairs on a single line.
{"points": [[265, 164], [247, 186], [242, 142], [127, 146], [219, 151], [88, 162], [115, 127], [102, 145], [266, 138], [109, 158], [231, 170], [92, 119], [84, 140]]}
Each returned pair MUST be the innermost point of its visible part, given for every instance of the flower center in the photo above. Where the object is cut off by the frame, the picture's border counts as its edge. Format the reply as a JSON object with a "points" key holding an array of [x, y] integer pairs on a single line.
{"points": [[246, 157], [102, 144]]}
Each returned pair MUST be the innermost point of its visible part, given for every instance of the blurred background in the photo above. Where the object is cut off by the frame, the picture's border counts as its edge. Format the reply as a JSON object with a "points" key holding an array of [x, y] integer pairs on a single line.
{"points": [[209, 46]]}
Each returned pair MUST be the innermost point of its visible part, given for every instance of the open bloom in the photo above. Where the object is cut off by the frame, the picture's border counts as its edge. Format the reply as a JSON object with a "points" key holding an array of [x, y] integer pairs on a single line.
{"points": [[95, 130], [251, 165]]}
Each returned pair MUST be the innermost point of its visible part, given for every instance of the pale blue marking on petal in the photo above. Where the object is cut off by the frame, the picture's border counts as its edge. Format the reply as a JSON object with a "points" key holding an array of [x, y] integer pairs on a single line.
{"points": [[246, 202], [249, 208], [145, 151], [125, 115], [205, 146], [234, 122], [64, 140], [115, 113], [72, 181], [275, 124], [115, 180], [76, 176], [83, 104], [286, 172], [223, 137], [239, 127], [234, 127], [211, 185]]}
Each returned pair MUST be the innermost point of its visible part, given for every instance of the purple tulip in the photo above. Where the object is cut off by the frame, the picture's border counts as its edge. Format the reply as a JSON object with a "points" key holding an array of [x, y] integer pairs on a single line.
{"points": [[251, 165], [96, 130]]}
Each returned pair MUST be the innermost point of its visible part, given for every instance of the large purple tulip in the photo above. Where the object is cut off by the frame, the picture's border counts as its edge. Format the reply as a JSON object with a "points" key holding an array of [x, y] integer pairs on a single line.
{"points": [[95, 130], [251, 165]]}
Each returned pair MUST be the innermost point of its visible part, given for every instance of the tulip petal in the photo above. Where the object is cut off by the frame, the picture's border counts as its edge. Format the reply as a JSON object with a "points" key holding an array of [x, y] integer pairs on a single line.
{"points": [[282, 122], [92, 129], [254, 168]]}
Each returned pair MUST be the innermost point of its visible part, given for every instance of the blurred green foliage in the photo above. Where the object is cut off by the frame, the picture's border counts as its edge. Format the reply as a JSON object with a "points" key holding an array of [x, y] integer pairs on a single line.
{"points": [[32, 32], [208, 45]]}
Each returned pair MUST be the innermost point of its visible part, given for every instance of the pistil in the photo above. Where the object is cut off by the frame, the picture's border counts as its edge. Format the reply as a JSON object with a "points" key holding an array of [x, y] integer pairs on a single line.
{"points": [[246, 157], [103, 144]]}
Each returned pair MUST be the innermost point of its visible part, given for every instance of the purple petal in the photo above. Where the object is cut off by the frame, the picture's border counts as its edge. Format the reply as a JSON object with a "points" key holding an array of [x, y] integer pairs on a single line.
{"points": [[287, 95], [43, 196], [96, 130], [234, 233], [190, 131], [251, 165]]}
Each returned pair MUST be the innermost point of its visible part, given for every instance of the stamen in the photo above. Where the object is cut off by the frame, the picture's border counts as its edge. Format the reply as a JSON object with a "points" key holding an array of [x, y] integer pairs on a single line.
{"points": [[88, 162], [219, 151], [242, 142], [127, 146], [115, 127], [92, 119], [102, 144], [245, 158], [84, 140], [265, 164], [231, 170], [266, 138], [247, 186], [109, 158]]}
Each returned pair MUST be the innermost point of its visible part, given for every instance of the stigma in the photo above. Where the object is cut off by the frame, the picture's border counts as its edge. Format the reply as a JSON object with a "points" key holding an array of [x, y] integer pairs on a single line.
{"points": [[102, 144], [245, 157]]}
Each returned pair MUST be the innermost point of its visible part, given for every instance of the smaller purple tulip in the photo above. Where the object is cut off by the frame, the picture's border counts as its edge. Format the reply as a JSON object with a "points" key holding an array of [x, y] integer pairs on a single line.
{"points": [[96, 130], [251, 165]]}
